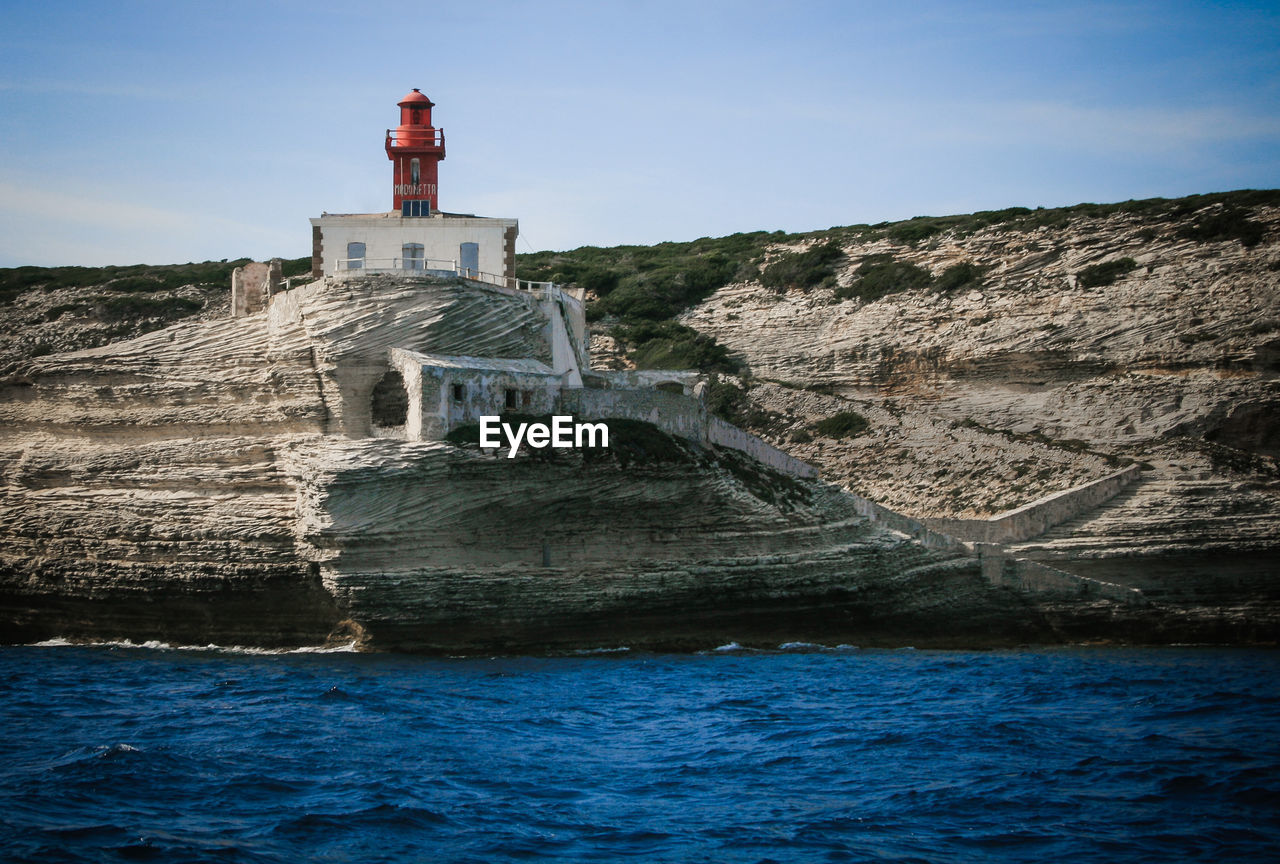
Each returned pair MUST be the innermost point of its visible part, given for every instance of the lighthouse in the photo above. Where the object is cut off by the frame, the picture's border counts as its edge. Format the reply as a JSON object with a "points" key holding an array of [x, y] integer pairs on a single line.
{"points": [[416, 238], [415, 149]]}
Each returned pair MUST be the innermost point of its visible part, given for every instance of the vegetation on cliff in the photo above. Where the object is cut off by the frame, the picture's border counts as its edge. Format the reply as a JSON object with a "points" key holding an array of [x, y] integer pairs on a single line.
{"points": [[45, 310], [129, 279], [635, 293], [1106, 273]]}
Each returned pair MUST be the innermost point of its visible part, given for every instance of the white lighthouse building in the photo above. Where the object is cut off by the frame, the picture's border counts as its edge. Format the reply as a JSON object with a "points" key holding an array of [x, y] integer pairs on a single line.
{"points": [[415, 237]]}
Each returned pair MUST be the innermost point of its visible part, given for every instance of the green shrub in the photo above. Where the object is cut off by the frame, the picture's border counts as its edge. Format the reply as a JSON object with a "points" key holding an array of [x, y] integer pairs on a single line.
{"points": [[802, 269], [1105, 273], [295, 266], [132, 278], [914, 230], [136, 283], [880, 275], [61, 309], [846, 424], [131, 306], [636, 442], [672, 345], [726, 400], [765, 483], [957, 276], [651, 283], [1229, 223], [699, 352], [638, 303], [732, 403]]}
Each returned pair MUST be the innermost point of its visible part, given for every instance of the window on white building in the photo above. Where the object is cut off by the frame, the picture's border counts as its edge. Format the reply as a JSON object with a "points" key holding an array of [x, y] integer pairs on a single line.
{"points": [[412, 255], [355, 255]]}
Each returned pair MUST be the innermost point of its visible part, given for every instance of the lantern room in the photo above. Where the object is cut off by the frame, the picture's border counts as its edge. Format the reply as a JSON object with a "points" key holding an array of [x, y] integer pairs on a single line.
{"points": [[415, 149]]}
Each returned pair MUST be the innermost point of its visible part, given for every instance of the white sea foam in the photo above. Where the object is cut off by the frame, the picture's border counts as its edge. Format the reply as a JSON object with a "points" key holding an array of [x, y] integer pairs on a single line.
{"points": [[157, 645], [816, 646], [346, 648]]}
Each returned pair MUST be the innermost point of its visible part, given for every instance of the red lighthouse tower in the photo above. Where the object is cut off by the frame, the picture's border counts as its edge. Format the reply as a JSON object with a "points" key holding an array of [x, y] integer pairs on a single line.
{"points": [[415, 149]]}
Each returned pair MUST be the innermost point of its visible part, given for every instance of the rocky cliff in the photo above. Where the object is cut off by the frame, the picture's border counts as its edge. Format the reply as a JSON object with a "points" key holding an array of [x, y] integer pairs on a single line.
{"points": [[1146, 334], [217, 479]]}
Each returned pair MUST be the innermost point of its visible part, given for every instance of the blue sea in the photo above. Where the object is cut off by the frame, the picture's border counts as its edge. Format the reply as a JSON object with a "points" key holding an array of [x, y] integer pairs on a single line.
{"points": [[123, 753]]}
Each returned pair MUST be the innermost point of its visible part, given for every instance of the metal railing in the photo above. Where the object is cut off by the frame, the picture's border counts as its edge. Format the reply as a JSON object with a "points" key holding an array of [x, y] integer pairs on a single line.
{"points": [[394, 265], [416, 138], [344, 267]]}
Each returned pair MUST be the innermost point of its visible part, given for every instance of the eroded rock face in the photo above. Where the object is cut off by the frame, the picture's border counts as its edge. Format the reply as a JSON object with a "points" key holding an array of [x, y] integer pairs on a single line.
{"points": [[991, 396], [1031, 324], [185, 540], [214, 482], [435, 548]]}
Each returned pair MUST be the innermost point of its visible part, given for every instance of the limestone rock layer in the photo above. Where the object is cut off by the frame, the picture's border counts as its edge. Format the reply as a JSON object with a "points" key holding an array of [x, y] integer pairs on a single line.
{"points": [[216, 482], [1035, 378]]}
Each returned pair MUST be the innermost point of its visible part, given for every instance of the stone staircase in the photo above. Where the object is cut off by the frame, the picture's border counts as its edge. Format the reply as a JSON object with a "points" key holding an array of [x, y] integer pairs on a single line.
{"points": [[1169, 514], [1178, 537]]}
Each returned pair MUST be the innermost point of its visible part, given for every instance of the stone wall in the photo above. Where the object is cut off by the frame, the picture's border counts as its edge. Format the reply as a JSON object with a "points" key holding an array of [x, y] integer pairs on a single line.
{"points": [[913, 528], [671, 412], [625, 379], [679, 415], [1033, 519], [1033, 577], [727, 435]]}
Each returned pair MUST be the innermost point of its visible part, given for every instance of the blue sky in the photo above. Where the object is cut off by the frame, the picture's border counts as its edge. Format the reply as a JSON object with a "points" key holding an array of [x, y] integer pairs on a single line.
{"points": [[163, 132]]}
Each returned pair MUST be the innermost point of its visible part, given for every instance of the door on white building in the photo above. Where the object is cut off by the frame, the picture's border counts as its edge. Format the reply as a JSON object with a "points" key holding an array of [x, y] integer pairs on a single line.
{"points": [[469, 259]]}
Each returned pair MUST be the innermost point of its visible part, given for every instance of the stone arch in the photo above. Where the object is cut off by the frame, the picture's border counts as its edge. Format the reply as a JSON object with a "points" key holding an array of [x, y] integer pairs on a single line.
{"points": [[389, 402]]}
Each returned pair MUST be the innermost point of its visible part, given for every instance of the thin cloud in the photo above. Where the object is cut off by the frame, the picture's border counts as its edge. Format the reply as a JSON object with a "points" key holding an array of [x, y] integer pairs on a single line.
{"points": [[54, 227]]}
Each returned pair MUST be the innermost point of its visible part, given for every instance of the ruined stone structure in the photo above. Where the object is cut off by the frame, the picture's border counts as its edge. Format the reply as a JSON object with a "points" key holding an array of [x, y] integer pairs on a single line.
{"points": [[252, 286]]}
